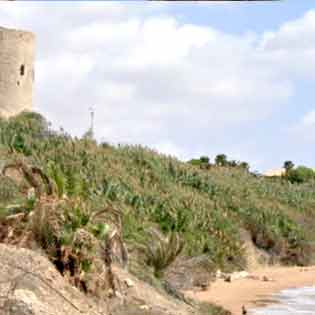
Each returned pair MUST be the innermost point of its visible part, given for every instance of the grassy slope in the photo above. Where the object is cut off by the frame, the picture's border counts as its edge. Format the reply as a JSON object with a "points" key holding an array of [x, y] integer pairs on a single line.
{"points": [[207, 207]]}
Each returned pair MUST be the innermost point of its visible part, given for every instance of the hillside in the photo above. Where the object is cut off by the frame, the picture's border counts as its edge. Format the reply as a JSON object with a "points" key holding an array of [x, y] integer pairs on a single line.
{"points": [[166, 209]]}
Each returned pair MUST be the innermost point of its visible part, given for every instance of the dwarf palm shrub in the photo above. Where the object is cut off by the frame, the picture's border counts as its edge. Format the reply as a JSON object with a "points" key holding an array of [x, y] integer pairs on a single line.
{"points": [[161, 250]]}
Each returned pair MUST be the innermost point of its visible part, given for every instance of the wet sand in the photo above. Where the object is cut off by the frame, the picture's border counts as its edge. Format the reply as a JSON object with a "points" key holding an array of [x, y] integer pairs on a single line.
{"points": [[253, 293]]}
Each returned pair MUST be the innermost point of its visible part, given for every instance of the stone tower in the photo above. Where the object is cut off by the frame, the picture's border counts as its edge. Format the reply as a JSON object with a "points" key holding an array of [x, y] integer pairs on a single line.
{"points": [[16, 71]]}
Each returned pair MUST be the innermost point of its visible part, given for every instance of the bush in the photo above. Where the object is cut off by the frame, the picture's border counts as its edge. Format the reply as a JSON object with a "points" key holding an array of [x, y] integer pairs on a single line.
{"points": [[161, 251], [301, 174], [8, 189]]}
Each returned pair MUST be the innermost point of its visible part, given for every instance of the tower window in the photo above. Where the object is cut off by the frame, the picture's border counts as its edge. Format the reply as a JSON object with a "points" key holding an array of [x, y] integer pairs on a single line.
{"points": [[22, 70]]}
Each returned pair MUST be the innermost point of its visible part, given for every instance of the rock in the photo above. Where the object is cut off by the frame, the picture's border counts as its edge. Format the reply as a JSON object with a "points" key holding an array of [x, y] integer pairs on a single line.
{"points": [[202, 282], [24, 302], [144, 307], [243, 274], [218, 274], [265, 278], [31, 193], [187, 273], [170, 302], [119, 295], [129, 283], [38, 288], [236, 275], [253, 277]]}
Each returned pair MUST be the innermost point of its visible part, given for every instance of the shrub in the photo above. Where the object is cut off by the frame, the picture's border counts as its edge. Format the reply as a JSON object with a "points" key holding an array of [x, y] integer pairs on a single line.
{"points": [[301, 174], [8, 189], [288, 166], [221, 160], [161, 251]]}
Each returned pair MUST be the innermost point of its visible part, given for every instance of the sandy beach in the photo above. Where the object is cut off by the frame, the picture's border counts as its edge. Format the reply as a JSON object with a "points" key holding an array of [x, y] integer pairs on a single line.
{"points": [[254, 292]]}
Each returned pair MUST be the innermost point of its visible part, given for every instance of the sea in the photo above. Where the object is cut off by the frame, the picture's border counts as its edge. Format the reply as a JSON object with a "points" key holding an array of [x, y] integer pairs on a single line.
{"points": [[289, 302]]}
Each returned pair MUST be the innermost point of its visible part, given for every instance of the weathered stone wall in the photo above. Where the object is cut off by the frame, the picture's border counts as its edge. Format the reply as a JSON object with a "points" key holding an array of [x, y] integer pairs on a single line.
{"points": [[16, 71]]}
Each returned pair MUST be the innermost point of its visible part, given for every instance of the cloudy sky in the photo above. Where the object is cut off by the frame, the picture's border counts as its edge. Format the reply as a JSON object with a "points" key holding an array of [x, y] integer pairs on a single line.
{"points": [[187, 79]]}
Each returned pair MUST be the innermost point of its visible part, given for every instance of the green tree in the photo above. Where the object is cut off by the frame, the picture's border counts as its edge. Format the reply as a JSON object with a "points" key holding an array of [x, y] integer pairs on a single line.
{"points": [[221, 160], [301, 174], [204, 159], [195, 162], [288, 166], [203, 162], [233, 163], [244, 165]]}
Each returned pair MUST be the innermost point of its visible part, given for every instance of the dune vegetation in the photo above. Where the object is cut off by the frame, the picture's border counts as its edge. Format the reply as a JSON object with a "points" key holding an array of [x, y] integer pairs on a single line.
{"points": [[162, 209]]}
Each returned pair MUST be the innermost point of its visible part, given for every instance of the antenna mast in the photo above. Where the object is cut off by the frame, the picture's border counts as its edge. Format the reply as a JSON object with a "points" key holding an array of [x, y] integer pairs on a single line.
{"points": [[92, 112]]}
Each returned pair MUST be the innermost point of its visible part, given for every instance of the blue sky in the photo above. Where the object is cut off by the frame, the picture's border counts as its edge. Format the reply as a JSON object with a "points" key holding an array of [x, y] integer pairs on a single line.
{"points": [[241, 17], [188, 79]]}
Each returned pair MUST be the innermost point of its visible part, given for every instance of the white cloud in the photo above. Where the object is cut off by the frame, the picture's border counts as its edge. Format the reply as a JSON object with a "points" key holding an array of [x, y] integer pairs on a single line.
{"points": [[309, 119], [154, 80], [170, 149], [293, 35], [304, 129], [292, 46]]}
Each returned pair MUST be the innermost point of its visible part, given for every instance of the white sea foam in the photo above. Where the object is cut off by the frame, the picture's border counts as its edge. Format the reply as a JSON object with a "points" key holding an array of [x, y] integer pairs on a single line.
{"points": [[291, 302]]}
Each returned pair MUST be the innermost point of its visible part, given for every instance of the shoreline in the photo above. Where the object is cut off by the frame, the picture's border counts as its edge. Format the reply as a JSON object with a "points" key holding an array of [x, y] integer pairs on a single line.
{"points": [[253, 292]]}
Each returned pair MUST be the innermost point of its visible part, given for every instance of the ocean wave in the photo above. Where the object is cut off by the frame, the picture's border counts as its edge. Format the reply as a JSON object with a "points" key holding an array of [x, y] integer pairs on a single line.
{"points": [[290, 302]]}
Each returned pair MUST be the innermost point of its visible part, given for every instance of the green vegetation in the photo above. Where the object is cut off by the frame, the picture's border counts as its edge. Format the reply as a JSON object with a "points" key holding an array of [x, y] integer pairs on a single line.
{"points": [[161, 251], [220, 160], [288, 166], [299, 175], [205, 207]]}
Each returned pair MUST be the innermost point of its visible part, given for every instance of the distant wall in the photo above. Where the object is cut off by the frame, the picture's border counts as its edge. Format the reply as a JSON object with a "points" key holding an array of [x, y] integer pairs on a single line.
{"points": [[275, 173], [17, 75]]}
